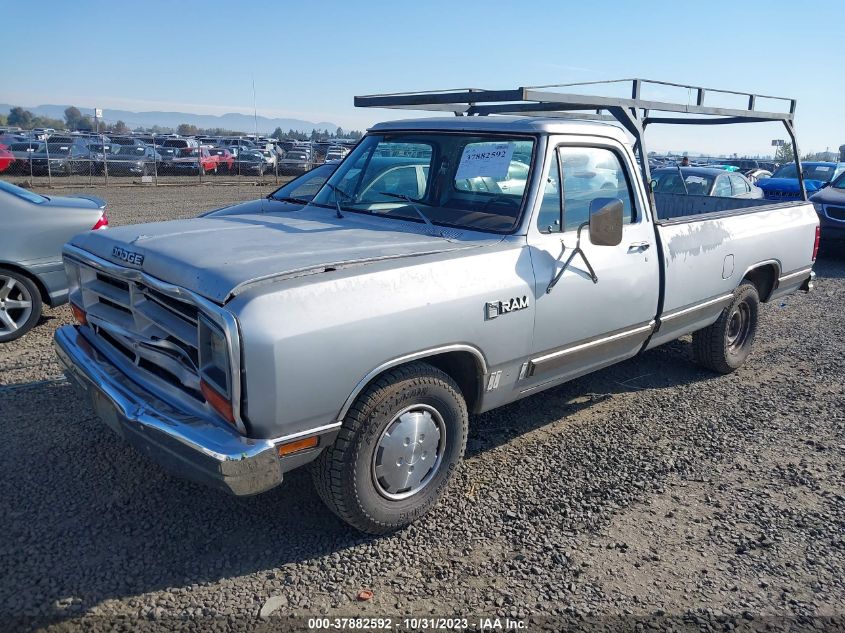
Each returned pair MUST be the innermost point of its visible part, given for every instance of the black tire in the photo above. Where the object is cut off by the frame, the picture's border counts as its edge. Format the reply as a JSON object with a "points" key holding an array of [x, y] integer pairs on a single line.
{"points": [[345, 473], [24, 289], [724, 345]]}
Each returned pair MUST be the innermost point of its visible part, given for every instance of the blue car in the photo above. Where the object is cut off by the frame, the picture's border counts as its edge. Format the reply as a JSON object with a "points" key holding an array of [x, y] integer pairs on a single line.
{"points": [[783, 185], [830, 205]]}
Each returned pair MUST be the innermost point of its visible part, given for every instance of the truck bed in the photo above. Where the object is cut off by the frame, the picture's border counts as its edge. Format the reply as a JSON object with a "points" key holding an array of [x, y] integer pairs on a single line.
{"points": [[709, 244]]}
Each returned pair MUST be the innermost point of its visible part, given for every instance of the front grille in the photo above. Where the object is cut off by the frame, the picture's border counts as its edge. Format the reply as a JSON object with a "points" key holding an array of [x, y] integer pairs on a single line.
{"points": [[836, 213], [154, 331]]}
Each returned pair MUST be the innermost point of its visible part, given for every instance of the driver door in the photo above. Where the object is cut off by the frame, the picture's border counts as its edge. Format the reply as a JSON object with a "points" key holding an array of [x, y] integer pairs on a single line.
{"points": [[581, 326]]}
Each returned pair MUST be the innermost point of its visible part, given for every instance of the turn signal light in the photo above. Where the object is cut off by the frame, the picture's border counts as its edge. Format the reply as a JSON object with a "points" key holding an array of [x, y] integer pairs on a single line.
{"points": [[79, 314], [298, 445], [217, 402]]}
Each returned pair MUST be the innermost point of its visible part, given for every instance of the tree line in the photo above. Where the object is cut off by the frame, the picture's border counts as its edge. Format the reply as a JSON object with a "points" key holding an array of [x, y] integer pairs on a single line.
{"points": [[74, 120]]}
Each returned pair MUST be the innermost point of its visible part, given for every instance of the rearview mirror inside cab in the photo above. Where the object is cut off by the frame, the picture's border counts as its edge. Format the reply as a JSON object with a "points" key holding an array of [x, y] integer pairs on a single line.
{"points": [[606, 221]]}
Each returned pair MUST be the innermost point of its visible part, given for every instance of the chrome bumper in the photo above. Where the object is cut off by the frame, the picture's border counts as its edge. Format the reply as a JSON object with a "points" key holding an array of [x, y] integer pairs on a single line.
{"points": [[195, 448]]}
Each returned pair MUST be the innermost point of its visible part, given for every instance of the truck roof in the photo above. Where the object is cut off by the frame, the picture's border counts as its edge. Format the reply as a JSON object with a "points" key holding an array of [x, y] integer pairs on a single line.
{"points": [[515, 124]]}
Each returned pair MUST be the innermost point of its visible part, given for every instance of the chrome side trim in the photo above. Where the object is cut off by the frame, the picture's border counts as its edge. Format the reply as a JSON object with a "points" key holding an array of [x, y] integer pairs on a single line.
{"points": [[554, 358], [222, 317], [319, 430], [481, 363], [695, 307], [804, 272]]}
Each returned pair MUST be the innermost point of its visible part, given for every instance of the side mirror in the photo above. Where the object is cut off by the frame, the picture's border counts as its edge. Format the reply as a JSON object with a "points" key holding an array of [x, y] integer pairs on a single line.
{"points": [[606, 221]]}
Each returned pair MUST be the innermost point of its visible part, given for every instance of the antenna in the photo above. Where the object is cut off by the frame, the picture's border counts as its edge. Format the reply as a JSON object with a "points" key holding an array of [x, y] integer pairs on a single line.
{"points": [[254, 109]]}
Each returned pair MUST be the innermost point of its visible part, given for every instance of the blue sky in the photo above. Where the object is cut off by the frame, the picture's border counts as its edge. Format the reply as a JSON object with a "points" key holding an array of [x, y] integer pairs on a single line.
{"points": [[308, 59]]}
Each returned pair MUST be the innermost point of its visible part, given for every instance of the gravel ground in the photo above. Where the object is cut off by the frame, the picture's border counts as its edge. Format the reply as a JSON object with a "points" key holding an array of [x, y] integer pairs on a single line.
{"points": [[652, 494]]}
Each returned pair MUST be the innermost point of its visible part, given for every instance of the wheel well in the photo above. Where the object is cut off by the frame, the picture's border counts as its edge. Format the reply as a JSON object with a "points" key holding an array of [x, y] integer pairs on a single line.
{"points": [[764, 278], [463, 368], [42, 290]]}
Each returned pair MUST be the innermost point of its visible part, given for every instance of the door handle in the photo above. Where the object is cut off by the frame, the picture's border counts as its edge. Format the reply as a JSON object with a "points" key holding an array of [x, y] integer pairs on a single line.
{"points": [[638, 246]]}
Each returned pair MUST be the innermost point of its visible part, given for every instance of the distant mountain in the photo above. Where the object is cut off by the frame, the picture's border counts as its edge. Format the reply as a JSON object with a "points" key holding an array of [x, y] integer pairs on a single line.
{"points": [[231, 121]]}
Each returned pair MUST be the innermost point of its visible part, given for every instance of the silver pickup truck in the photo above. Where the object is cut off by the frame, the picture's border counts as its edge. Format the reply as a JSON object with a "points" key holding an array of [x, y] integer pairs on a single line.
{"points": [[449, 266]]}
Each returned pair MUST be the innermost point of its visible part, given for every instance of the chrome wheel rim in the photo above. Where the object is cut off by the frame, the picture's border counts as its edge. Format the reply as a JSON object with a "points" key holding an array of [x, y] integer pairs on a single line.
{"points": [[409, 452], [739, 326], [15, 304]]}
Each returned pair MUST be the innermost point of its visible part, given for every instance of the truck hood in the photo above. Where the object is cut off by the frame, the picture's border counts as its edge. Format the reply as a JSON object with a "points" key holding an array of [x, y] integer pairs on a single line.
{"points": [[217, 257], [830, 195]]}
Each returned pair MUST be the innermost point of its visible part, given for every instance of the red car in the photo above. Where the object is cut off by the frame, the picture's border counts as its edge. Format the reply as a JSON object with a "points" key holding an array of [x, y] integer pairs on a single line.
{"points": [[194, 159], [225, 160], [6, 158]]}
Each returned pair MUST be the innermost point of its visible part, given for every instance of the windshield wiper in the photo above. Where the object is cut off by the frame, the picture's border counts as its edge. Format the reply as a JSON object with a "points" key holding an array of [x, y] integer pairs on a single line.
{"points": [[338, 190], [410, 201], [288, 199]]}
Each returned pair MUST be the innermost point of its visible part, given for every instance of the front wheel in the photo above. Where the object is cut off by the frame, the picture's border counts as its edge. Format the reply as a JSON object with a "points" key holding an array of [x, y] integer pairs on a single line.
{"points": [[724, 345], [397, 450]]}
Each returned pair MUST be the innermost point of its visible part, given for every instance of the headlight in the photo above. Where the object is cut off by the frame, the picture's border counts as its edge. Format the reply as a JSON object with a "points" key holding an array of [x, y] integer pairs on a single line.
{"points": [[215, 368], [819, 207]]}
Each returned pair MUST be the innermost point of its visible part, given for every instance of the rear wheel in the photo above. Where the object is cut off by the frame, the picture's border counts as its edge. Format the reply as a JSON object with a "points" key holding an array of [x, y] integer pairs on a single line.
{"points": [[397, 450], [724, 345], [20, 305]]}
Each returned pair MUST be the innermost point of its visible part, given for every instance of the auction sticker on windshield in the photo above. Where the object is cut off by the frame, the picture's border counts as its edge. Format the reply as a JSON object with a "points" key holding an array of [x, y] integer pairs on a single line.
{"points": [[489, 160]]}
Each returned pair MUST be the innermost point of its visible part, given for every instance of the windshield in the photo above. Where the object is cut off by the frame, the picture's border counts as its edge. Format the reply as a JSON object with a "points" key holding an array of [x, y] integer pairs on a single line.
{"points": [[669, 181], [839, 183], [58, 148], [21, 193], [27, 147], [306, 186], [811, 172], [130, 150], [468, 181]]}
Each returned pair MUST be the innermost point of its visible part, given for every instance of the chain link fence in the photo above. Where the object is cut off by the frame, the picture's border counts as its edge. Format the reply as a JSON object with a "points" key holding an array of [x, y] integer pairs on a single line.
{"points": [[89, 160]]}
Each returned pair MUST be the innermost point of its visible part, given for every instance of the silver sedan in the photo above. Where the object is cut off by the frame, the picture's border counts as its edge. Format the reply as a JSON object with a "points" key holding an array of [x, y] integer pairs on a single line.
{"points": [[34, 228]]}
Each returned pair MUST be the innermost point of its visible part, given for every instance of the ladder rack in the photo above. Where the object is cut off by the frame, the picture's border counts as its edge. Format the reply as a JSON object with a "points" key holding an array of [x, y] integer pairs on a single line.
{"points": [[633, 113]]}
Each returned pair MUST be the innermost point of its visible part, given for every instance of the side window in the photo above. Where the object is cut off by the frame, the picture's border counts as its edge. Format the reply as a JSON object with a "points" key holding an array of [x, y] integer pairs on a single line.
{"points": [[723, 187], [548, 219], [590, 173], [738, 184]]}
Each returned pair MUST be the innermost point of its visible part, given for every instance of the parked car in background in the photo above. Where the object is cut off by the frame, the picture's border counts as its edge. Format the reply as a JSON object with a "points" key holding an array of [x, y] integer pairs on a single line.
{"points": [[269, 159], [336, 152], [742, 164], [783, 185], [830, 206], [126, 140], [194, 160], [250, 161], [60, 159], [31, 271], [758, 174], [22, 152], [6, 158], [225, 159], [294, 161], [132, 160], [167, 154], [289, 197], [704, 181]]}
